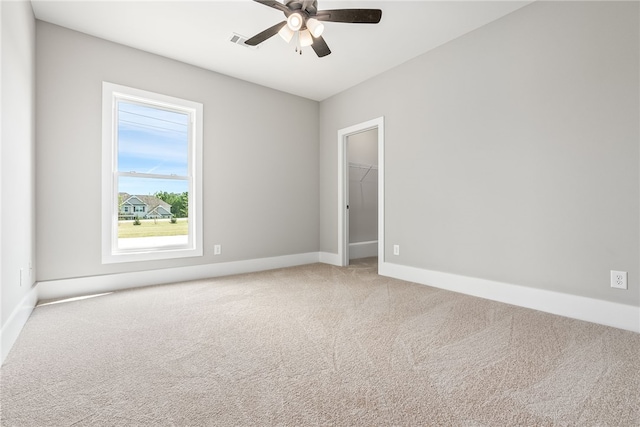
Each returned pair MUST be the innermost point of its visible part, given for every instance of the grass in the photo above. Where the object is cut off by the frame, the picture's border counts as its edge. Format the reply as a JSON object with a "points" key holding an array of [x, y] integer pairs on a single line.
{"points": [[151, 228]]}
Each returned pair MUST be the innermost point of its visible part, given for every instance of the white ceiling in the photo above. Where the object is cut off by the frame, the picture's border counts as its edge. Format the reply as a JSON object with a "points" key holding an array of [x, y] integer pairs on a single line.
{"points": [[198, 33]]}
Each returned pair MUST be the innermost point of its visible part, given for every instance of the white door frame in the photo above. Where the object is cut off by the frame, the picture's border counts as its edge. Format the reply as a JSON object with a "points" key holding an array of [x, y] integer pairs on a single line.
{"points": [[343, 187]]}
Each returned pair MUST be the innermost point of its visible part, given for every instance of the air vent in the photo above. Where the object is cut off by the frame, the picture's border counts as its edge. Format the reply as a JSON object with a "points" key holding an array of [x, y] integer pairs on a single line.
{"points": [[240, 40]]}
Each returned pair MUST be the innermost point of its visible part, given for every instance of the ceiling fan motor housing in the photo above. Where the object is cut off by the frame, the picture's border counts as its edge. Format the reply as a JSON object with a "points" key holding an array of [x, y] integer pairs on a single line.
{"points": [[309, 6]]}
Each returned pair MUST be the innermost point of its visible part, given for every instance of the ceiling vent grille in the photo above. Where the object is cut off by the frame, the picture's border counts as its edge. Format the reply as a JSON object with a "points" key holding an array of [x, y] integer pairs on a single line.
{"points": [[240, 40]]}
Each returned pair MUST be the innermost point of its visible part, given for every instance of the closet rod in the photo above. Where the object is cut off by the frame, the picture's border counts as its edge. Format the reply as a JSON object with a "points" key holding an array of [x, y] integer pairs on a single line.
{"points": [[362, 166]]}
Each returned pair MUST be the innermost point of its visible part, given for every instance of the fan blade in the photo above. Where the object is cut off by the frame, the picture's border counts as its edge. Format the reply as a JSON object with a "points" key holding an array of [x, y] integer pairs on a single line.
{"points": [[352, 16], [274, 4], [266, 34], [320, 47]]}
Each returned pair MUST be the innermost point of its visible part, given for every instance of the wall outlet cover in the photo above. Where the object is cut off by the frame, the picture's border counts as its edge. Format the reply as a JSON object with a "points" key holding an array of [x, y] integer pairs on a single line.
{"points": [[619, 279]]}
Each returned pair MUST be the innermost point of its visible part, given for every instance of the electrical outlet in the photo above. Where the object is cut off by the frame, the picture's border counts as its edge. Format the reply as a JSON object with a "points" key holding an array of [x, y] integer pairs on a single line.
{"points": [[396, 249], [217, 249], [619, 279]]}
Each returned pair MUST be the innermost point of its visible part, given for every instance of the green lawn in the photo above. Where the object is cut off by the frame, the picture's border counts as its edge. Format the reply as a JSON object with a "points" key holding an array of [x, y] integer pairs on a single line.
{"points": [[151, 228]]}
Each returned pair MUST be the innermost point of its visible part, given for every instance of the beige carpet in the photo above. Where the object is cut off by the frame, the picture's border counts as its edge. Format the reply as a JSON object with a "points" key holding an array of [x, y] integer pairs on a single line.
{"points": [[315, 345]]}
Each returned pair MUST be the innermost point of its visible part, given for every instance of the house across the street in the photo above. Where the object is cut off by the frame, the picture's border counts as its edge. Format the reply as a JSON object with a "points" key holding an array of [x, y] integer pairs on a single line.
{"points": [[139, 206]]}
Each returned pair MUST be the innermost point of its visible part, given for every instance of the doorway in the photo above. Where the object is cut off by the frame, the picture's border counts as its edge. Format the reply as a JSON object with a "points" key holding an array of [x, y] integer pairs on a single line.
{"points": [[353, 172]]}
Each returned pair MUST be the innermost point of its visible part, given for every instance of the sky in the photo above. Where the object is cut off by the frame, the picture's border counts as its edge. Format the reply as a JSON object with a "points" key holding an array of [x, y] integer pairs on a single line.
{"points": [[151, 141]]}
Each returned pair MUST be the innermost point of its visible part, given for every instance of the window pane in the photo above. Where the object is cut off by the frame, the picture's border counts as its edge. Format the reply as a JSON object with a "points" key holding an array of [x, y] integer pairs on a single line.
{"points": [[152, 140], [152, 213]]}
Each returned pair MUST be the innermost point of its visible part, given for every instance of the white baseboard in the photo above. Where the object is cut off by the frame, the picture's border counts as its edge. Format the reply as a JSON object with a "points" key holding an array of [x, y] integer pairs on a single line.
{"points": [[68, 288], [16, 322], [363, 249], [329, 258], [577, 307]]}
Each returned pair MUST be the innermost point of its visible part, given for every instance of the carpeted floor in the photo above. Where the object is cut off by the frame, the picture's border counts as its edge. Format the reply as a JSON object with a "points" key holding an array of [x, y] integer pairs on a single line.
{"points": [[315, 345]]}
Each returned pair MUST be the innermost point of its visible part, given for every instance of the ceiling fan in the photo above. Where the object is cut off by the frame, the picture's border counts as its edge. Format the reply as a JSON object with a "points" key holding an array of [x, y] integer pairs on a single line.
{"points": [[305, 20]]}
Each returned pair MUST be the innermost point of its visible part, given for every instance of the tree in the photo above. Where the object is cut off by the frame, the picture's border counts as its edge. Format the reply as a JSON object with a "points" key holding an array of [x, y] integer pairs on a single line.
{"points": [[179, 202]]}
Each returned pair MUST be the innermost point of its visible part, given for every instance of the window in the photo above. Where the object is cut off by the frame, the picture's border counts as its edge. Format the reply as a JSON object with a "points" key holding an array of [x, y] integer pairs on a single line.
{"points": [[152, 157]]}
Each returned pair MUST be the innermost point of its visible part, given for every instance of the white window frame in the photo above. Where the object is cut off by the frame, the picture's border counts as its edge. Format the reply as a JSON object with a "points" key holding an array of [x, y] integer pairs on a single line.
{"points": [[111, 93]]}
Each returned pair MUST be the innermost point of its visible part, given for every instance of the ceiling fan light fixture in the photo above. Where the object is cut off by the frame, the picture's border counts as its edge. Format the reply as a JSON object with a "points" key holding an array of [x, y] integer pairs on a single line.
{"points": [[304, 19], [316, 27], [305, 38], [286, 33], [294, 21]]}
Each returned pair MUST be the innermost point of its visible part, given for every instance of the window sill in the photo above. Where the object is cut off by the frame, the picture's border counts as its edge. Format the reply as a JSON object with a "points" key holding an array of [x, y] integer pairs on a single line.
{"points": [[149, 249]]}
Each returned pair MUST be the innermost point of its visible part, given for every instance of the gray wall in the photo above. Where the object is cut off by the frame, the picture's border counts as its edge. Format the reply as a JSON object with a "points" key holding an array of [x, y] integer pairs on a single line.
{"points": [[17, 173], [512, 153], [362, 149], [260, 172]]}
